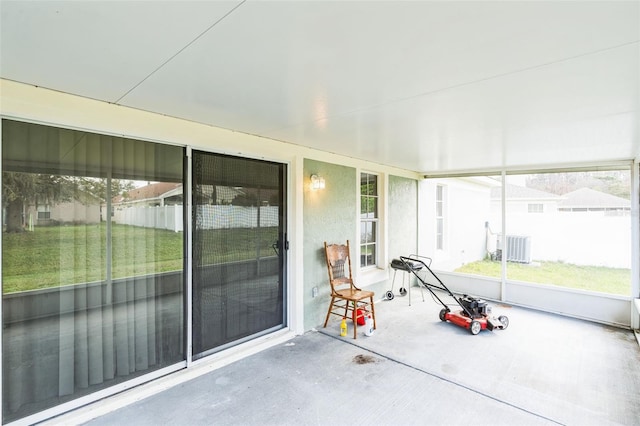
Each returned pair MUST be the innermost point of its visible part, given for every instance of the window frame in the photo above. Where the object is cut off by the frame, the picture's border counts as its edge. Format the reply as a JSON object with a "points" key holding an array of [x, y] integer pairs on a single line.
{"points": [[535, 207], [373, 222], [103, 386], [440, 217]]}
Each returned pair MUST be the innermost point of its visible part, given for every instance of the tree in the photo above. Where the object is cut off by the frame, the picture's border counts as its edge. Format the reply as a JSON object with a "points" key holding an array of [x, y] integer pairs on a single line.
{"points": [[98, 186], [20, 189], [555, 183], [615, 182]]}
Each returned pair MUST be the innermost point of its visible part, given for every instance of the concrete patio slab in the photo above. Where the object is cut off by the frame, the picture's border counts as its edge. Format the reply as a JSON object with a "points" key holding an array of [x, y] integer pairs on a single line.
{"points": [[416, 370]]}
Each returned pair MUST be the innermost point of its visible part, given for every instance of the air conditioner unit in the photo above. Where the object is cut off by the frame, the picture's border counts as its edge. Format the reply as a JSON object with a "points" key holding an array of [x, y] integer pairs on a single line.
{"points": [[518, 248]]}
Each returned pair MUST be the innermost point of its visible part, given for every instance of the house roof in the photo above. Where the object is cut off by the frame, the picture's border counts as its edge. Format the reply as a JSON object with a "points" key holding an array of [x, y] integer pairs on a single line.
{"points": [[587, 197], [522, 192], [154, 190]]}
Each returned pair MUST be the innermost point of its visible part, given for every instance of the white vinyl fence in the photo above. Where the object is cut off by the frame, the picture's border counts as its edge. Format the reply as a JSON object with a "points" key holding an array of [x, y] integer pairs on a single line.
{"points": [[207, 217], [580, 238], [225, 217], [160, 217]]}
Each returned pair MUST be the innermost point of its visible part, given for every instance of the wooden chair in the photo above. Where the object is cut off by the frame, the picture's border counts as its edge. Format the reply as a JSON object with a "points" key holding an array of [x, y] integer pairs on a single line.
{"points": [[347, 300]]}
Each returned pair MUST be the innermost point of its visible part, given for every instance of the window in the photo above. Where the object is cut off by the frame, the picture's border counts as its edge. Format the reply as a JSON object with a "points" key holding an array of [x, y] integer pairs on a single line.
{"points": [[103, 302], [369, 220], [440, 217], [535, 208]]}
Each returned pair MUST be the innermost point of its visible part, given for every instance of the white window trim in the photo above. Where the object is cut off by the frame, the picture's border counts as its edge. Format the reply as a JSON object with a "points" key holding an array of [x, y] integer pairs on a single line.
{"points": [[445, 222], [535, 208], [374, 273]]}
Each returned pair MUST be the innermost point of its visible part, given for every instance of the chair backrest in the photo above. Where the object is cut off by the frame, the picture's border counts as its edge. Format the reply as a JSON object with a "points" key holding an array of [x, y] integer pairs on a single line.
{"points": [[338, 265]]}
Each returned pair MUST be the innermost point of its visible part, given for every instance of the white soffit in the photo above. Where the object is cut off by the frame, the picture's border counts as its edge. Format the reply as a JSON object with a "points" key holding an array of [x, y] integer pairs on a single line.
{"points": [[424, 86]]}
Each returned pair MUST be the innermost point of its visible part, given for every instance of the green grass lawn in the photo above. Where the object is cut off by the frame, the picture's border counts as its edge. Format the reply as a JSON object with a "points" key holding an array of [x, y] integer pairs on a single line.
{"points": [[229, 245], [62, 255], [594, 278], [54, 256]]}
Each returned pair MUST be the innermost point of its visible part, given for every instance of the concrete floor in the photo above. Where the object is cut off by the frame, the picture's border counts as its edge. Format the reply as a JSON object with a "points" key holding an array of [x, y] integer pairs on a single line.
{"points": [[416, 370]]}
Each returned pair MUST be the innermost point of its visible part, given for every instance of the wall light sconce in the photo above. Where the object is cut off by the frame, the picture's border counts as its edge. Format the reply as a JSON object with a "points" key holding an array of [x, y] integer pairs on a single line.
{"points": [[317, 182]]}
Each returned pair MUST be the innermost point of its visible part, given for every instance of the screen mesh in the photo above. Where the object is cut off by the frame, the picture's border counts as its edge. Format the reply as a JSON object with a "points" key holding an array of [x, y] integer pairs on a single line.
{"points": [[237, 249]]}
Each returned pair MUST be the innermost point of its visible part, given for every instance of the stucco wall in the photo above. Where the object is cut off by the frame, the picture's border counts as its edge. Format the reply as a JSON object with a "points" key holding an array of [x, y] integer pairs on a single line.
{"points": [[329, 215], [402, 217]]}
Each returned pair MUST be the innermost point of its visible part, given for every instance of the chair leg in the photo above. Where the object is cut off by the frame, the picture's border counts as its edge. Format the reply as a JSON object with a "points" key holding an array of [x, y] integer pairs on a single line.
{"points": [[326, 320], [354, 314], [373, 312]]}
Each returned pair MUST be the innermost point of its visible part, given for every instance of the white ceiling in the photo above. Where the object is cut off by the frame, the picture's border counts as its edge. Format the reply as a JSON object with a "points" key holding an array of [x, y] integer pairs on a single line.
{"points": [[425, 86]]}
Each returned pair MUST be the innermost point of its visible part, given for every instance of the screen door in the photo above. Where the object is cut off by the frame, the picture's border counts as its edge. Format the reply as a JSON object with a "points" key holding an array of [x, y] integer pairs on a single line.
{"points": [[239, 243]]}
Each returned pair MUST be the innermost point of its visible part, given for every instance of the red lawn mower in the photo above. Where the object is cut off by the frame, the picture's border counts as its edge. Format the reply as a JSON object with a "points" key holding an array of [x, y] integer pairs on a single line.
{"points": [[475, 314]]}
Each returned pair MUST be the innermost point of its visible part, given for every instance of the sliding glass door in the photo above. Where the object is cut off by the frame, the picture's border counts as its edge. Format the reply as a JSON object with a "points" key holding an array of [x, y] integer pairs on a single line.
{"points": [[239, 245], [93, 255], [92, 263]]}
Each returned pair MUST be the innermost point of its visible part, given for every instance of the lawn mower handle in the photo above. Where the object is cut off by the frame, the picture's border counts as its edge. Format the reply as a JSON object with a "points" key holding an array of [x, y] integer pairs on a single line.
{"points": [[408, 263]]}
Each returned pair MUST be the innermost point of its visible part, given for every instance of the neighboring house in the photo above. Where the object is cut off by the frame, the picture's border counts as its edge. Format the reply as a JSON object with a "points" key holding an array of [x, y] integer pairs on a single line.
{"points": [[522, 205], [454, 237], [219, 195], [549, 227], [151, 195], [156, 205], [520, 199], [85, 208], [590, 200]]}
